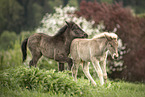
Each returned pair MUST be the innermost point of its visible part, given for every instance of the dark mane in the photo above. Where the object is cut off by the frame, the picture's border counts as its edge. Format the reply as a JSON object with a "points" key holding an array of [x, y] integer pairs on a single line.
{"points": [[61, 31]]}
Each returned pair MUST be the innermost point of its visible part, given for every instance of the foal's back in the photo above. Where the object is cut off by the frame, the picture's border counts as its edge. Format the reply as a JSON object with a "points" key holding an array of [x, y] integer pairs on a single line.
{"points": [[44, 44], [84, 49], [39, 39], [78, 48]]}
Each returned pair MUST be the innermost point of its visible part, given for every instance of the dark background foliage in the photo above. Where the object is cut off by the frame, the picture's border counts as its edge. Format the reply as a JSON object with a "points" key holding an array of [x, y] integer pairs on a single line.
{"points": [[130, 29], [23, 15]]}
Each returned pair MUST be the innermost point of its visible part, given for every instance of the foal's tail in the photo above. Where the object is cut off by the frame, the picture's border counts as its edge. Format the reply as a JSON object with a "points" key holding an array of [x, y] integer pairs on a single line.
{"points": [[24, 49]]}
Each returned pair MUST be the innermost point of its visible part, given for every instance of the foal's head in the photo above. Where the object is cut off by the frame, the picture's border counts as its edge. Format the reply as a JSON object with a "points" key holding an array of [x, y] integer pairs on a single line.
{"points": [[112, 44], [75, 30]]}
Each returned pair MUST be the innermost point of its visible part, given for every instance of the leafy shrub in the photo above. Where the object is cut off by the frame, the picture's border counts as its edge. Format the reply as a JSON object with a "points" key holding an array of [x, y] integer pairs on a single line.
{"points": [[7, 40], [11, 57], [128, 27], [35, 82], [41, 80]]}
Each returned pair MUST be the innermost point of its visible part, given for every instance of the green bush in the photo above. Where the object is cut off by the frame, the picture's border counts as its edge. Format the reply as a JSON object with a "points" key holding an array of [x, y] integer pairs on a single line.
{"points": [[11, 57], [141, 15], [23, 81], [41, 80], [7, 40]]}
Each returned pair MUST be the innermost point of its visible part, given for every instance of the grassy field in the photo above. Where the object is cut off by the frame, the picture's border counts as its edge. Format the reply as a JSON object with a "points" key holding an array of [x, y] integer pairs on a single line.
{"points": [[35, 82]]}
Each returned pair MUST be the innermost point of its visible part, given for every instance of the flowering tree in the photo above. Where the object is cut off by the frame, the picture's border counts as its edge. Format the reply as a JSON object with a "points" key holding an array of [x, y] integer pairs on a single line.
{"points": [[51, 23]]}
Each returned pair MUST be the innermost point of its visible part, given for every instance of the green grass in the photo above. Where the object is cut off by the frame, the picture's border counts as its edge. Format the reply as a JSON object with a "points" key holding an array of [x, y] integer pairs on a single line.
{"points": [[5, 92], [35, 82]]}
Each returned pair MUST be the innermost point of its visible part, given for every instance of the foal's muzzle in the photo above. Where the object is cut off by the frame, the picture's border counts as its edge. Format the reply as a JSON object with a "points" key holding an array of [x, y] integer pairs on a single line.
{"points": [[115, 56]]}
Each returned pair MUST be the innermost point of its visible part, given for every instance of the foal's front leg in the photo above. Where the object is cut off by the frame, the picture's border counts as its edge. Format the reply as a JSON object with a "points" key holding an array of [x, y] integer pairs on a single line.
{"points": [[60, 66], [97, 67], [75, 70], [103, 66]]}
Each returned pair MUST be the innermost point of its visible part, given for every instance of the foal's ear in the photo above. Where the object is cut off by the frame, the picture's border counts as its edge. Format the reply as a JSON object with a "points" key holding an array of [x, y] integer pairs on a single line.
{"points": [[67, 24]]}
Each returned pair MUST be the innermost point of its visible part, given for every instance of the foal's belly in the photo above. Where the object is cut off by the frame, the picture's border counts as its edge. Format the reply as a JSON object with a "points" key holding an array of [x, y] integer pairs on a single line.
{"points": [[49, 53], [84, 56], [86, 59]]}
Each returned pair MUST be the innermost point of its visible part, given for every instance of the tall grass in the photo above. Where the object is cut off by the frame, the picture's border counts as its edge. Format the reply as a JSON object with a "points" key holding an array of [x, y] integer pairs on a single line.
{"points": [[11, 57], [41, 80], [24, 81]]}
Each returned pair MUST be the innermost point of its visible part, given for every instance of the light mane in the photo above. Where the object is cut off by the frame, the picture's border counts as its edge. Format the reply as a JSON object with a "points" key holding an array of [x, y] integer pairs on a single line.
{"points": [[113, 35], [102, 35]]}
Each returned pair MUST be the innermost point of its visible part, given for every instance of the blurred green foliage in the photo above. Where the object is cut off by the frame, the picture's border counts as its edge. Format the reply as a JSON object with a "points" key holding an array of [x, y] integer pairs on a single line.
{"points": [[107, 1], [19, 15], [7, 39], [137, 5], [73, 3], [141, 15], [10, 54], [25, 15]]}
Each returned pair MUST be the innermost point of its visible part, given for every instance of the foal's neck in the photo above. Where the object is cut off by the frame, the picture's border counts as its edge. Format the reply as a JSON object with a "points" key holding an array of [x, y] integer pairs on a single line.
{"points": [[68, 37], [104, 44]]}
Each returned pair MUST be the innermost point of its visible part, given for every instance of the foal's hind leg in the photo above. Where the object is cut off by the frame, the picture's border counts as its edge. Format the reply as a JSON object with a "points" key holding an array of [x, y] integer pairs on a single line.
{"points": [[35, 58], [85, 67], [75, 70]]}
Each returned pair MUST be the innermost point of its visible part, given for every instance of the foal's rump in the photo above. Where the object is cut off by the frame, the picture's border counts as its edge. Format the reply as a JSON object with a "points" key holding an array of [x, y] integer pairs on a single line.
{"points": [[40, 43], [34, 40]]}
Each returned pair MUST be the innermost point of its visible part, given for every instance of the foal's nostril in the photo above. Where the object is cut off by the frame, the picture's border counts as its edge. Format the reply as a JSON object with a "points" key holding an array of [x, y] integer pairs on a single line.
{"points": [[115, 57]]}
